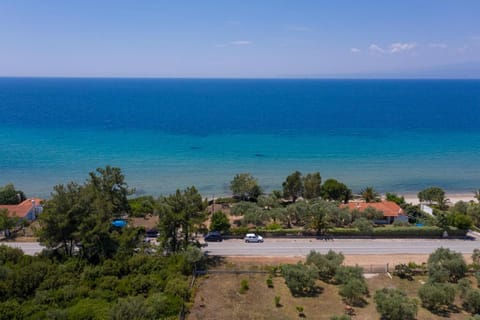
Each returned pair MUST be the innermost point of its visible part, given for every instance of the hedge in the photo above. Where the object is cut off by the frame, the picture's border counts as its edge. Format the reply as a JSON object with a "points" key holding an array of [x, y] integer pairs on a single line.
{"points": [[380, 232]]}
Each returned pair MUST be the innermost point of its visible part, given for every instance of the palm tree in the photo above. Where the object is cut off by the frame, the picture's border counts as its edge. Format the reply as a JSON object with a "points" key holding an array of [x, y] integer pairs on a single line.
{"points": [[370, 195]]}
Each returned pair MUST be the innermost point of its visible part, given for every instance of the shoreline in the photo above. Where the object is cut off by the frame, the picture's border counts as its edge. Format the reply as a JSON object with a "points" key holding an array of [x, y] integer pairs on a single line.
{"points": [[452, 197]]}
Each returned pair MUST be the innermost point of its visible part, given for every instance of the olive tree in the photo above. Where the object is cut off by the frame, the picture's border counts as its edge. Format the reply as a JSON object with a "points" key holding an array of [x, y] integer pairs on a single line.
{"points": [[394, 304], [245, 187]]}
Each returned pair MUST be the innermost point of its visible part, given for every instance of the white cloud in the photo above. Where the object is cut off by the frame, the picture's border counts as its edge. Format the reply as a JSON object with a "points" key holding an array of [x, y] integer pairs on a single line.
{"points": [[437, 45], [241, 42], [375, 48], [354, 50], [399, 47]]}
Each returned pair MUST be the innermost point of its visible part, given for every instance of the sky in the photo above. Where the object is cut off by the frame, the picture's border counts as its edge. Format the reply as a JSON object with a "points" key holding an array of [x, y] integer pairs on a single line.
{"points": [[240, 39]]}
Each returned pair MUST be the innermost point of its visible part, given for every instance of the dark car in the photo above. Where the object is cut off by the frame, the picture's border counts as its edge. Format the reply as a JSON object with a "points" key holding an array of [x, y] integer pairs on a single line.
{"points": [[213, 236]]}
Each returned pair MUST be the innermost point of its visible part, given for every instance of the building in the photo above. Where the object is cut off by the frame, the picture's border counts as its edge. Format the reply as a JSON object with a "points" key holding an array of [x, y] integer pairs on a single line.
{"points": [[28, 209], [391, 210]]}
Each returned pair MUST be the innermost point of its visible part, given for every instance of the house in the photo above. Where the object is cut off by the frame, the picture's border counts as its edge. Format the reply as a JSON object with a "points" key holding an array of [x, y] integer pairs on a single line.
{"points": [[391, 210], [28, 209]]}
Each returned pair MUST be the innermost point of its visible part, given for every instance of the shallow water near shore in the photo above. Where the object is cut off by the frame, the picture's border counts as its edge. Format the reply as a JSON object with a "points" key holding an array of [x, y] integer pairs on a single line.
{"points": [[165, 134]]}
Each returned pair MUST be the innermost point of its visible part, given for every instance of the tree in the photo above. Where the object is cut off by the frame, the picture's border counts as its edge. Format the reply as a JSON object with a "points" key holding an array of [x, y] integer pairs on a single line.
{"points": [[390, 196], [369, 195], [445, 265], [335, 190], [219, 222], [180, 214], [327, 264], [363, 225], [471, 302], [436, 296], [245, 187], [432, 195], [319, 215], [80, 215], [293, 186], [353, 291], [394, 304], [8, 222], [8, 195], [300, 278], [313, 185]]}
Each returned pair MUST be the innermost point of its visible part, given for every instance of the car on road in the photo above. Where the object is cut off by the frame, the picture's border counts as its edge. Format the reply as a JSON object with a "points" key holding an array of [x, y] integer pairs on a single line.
{"points": [[252, 237], [213, 236]]}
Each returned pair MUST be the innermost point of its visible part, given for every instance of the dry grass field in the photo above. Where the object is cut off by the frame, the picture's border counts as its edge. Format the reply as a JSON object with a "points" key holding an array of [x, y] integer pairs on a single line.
{"points": [[218, 297]]}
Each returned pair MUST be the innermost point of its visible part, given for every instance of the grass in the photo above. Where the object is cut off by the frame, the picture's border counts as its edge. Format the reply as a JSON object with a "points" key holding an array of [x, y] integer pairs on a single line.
{"points": [[218, 297]]}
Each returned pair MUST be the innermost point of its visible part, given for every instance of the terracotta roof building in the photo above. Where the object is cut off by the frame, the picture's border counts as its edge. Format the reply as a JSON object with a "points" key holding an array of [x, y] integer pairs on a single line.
{"points": [[28, 209], [391, 210]]}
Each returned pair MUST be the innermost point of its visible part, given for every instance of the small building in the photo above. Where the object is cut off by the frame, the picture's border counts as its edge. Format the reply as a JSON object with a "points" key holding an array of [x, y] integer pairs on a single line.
{"points": [[28, 209], [391, 210]]}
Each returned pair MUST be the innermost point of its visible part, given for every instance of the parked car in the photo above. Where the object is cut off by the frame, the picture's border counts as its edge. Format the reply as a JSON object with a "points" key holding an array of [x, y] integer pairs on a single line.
{"points": [[252, 237], [213, 236]]}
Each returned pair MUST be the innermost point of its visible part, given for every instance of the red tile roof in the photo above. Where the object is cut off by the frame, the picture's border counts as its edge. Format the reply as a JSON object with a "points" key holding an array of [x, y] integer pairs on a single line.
{"points": [[21, 209], [389, 208]]}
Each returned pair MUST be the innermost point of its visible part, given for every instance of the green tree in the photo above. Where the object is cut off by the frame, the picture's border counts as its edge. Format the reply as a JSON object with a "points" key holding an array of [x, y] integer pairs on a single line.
{"points": [[369, 195], [313, 185], [141, 206], [394, 304], [354, 291], [245, 187], [293, 186], [445, 265], [180, 216], [436, 296], [327, 264], [8, 222], [390, 196], [219, 222], [9, 195], [335, 190], [319, 215], [432, 195], [471, 302], [300, 278], [363, 225]]}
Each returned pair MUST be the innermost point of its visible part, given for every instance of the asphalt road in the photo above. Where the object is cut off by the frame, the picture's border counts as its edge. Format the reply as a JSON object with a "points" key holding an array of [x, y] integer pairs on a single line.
{"points": [[301, 247]]}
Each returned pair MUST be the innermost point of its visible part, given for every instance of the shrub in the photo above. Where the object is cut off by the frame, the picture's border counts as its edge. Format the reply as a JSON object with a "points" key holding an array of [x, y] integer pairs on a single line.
{"points": [[244, 286], [277, 301], [346, 273], [403, 271], [300, 278], [342, 317], [471, 301], [436, 296], [464, 285], [445, 265], [363, 225], [300, 311], [270, 282], [393, 304]]}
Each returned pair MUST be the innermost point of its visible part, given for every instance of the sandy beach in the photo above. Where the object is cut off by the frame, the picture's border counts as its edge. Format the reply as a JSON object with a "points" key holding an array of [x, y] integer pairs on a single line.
{"points": [[452, 197]]}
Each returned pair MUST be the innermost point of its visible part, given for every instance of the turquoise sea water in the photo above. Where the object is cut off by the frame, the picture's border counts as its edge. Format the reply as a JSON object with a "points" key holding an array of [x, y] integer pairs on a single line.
{"points": [[396, 135]]}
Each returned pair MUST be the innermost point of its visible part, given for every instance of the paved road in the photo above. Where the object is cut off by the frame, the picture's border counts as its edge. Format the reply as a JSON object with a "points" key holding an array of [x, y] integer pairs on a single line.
{"points": [[301, 247], [30, 248]]}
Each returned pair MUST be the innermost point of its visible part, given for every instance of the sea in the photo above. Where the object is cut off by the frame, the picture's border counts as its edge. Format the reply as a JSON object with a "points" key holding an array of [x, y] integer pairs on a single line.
{"points": [[167, 134]]}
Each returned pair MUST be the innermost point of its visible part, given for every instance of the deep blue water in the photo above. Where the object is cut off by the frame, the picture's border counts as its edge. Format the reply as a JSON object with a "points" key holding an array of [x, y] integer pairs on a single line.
{"points": [[397, 135]]}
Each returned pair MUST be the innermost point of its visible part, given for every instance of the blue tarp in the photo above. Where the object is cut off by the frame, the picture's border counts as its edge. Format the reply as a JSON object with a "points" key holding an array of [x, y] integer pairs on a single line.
{"points": [[119, 223]]}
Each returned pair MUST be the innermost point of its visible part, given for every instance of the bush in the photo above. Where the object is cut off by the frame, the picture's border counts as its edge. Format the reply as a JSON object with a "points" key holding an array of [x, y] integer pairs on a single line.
{"points": [[403, 271], [363, 225], [269, 282], [471, 301], [244, 286], [464, 285], [277, 301], [436, 296], [342, 317], [393, 304], [345, 273], [445, 265], [300, 278]]}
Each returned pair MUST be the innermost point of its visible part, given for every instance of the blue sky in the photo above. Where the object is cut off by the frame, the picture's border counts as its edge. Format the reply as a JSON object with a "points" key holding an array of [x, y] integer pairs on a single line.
{"points": [[251, 38]]}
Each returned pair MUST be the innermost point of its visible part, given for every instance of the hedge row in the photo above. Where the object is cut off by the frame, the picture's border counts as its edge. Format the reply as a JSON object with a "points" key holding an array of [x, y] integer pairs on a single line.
{"points": [[387, 232]]}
